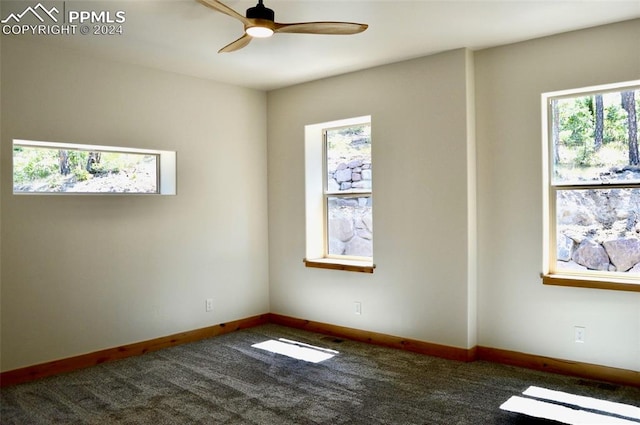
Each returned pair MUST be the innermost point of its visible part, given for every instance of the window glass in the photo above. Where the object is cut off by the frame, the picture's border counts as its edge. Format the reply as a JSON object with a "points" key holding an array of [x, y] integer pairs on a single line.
{"points": [[598, 229], [594, 183], [348, 171], [47, 167], [350, 226], [591, 138], [349, 159]]}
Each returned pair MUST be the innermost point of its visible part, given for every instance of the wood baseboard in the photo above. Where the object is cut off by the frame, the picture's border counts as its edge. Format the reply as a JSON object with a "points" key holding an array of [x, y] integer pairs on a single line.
{"points": [[422, 347], [559, 366], [513, 358], [56, 367]]}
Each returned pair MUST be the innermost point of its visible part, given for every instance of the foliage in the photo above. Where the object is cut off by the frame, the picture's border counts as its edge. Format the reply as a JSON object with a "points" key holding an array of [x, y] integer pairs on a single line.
{"points": [[349, 143], [54, 168], [355, 130], [615, 132], [576, 121], [576, 127], [81, 174], [32, 164]]}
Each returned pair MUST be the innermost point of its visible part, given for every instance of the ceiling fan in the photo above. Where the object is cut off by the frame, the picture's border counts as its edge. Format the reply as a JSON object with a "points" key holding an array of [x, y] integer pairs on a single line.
{"points": [[260, 22]]}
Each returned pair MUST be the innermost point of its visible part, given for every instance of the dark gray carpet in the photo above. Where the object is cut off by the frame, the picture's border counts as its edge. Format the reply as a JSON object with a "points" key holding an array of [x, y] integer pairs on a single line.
{"points": [[224, 380]]}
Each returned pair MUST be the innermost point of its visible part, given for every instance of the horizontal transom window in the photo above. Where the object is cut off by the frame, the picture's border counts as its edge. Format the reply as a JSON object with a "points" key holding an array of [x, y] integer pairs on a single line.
{"points": [[56, 168]]}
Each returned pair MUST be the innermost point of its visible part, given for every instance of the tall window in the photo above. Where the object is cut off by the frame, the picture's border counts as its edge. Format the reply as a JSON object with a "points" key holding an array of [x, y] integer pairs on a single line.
{"points": [[592, 202], [339, 201], [347, 195]]}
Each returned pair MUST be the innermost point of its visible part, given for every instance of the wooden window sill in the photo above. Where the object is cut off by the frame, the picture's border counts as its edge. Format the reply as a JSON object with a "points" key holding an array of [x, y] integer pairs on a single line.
{"points": [[615, 284], [346, 265]]}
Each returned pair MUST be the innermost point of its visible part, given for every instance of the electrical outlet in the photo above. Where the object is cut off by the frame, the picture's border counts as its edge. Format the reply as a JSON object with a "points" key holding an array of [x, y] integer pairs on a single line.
{"points": [[580, 332], [208, 305], [357, 307]]}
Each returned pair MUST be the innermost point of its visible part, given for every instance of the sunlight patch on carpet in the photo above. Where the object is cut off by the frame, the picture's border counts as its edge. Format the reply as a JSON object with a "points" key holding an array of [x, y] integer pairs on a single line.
{"points": [[570, 408], [297, 350]]}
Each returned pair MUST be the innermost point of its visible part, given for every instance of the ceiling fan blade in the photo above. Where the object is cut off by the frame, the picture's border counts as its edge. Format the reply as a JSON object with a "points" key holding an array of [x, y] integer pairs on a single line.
{"points": [[236, 45], [223, 8], [338, 28]]}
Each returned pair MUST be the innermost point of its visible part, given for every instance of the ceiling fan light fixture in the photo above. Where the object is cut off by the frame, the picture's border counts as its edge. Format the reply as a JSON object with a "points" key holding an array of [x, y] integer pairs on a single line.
{"points": [[259, 22], [259, 32]]}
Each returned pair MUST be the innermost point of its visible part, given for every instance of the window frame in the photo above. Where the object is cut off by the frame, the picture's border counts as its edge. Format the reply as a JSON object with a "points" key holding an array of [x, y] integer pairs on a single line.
{"points": [[165, 166], [316, 195], [551, 275]]}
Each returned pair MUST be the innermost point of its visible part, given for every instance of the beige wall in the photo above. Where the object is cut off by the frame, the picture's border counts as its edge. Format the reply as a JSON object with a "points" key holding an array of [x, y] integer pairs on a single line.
{"points": [[82, 273], [516, 311], [419, 140]]}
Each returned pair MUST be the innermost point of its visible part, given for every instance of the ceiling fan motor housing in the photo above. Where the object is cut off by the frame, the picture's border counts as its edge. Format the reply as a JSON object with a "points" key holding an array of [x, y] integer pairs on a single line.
{"points": [[260, 11]]}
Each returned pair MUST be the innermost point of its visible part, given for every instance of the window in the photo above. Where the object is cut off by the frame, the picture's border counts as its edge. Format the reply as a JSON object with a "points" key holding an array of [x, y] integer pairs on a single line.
{"points": [[592, 187], [54, 168], [339, 201]]}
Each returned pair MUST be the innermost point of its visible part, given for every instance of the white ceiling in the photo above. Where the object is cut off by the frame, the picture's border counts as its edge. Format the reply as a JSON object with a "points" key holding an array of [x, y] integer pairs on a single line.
{"points": [[184, 36]]}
